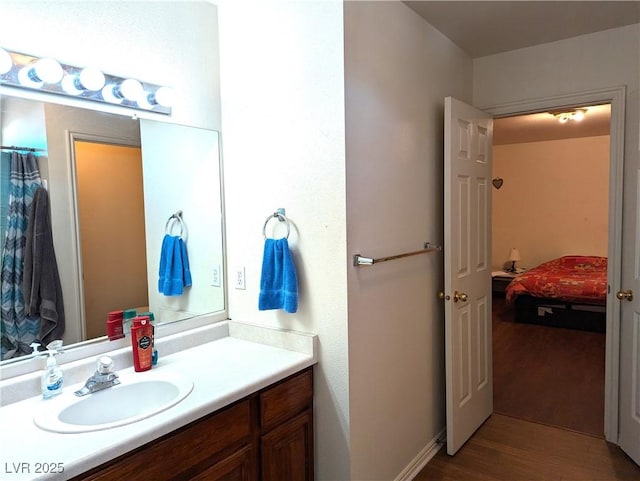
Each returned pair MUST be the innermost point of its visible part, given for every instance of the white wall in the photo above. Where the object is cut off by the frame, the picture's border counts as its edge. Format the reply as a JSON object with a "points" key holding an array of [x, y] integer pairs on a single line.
{"points": [[22, 123], [166, 43], [282, 84], [398, 71]]}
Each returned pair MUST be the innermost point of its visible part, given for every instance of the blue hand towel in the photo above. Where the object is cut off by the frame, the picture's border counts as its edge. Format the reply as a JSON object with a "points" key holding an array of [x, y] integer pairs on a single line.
{"points": [[279, 283], [186, 272], [174, 266]]}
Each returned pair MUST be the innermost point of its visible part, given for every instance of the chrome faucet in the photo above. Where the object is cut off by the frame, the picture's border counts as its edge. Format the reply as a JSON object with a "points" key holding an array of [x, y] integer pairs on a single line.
{"points": [[101, 379]]}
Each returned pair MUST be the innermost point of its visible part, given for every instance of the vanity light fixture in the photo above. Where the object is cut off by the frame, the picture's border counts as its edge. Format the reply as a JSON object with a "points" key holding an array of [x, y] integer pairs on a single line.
{"points": [[50, 76], [573, 114]]}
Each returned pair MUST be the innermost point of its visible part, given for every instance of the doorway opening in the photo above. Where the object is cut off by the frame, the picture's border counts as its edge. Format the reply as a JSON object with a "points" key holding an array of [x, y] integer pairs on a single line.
{"points": [[550, 201], [111, 230]]}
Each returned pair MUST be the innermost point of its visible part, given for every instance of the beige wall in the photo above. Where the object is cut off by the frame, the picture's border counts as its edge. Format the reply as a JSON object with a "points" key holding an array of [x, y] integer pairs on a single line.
{"points": [[600, 60], [554, 200], [398, 70]]}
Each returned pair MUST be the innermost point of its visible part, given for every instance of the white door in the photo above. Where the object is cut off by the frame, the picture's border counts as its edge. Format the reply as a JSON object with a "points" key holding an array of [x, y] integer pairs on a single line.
{"points": [[467, 254], [629, 295]]}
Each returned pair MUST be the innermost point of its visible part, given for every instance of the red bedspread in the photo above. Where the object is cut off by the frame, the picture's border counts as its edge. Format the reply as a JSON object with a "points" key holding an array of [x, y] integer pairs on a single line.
{"points": [[581, 279]]}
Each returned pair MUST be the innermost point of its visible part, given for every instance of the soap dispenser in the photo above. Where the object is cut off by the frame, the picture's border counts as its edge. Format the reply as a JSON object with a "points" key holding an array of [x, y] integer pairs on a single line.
{"points": [[51, 377]]}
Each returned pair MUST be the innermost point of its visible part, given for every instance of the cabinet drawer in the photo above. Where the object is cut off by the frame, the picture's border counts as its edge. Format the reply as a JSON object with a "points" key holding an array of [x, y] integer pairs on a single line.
{"points": [[286, 399], [181, 454]]}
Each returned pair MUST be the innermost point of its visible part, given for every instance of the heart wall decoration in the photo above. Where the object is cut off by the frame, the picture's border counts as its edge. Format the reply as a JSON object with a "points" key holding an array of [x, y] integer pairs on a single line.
{"points": [[497, 182]]}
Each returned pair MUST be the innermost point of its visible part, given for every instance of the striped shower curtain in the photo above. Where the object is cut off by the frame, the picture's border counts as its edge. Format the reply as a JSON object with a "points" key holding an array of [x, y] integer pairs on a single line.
{"points": [[16, 330]]}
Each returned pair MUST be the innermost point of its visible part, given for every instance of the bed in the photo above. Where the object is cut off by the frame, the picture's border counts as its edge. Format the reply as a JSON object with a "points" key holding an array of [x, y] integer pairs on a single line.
{"points": [[570, 292]]}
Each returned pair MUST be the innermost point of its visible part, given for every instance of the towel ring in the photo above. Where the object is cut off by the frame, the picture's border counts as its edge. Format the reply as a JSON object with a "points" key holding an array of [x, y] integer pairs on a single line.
{"points": [[168, 227], [279, 214]]}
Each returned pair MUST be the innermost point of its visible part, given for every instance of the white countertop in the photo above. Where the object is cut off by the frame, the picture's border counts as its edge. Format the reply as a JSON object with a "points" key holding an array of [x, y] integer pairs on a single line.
{"points": [[245, 360]]}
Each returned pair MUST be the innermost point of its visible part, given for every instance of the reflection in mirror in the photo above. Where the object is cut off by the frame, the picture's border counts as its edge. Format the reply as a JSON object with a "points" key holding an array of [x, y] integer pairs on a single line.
{"points": [[113, 183], [111, 233]]}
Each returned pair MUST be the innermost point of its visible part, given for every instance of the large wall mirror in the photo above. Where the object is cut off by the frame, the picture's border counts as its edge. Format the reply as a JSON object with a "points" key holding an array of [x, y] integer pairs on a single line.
{"points": [[114, 183]]}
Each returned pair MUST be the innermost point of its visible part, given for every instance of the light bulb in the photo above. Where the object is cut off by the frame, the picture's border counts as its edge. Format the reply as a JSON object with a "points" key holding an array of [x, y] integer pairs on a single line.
{"points": [[164, 96], [6, 63], [92, 79], [47, 70], [146, 101], [71, 85], [27, 79], [578, 115], [131, 89], [109, 93]]}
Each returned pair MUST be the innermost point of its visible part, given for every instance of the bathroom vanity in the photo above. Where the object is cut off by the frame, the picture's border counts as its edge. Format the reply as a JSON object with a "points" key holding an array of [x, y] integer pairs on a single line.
{"points": [[248, 417], [267, 435]]}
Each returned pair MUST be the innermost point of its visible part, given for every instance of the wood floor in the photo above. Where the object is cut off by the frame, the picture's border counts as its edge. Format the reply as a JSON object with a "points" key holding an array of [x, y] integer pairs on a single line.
{"points": [[550, 375], [510, 449], [550, 384]]}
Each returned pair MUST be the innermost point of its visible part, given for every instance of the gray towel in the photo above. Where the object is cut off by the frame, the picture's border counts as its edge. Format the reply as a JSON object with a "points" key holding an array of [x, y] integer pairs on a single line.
{"points": [[41, 283]]}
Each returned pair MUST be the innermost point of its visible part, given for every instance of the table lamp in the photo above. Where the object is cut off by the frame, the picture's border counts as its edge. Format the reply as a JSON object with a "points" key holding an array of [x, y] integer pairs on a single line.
{"points": [[514, 256]]}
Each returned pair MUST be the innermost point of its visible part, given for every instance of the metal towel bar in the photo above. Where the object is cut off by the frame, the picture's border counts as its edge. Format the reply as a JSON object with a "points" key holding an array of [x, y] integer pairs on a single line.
{"points": [[359, 260]]}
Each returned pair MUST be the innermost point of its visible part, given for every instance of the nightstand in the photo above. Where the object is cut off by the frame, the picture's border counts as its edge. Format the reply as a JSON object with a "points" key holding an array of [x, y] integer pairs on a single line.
{"points": [[500, 280]]}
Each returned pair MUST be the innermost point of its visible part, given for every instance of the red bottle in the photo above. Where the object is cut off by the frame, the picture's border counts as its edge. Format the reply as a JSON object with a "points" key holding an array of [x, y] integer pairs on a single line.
{"points": [[142, 343], [114, 325]]}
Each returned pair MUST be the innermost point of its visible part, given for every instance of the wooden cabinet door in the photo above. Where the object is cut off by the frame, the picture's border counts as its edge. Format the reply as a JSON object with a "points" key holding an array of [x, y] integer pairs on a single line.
{"points": [[185, 452], [287, 450], [237, 467]]}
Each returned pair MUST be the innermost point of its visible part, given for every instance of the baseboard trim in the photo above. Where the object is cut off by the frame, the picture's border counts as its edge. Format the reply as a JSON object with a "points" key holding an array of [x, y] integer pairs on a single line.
{"points": [[423, 457]]}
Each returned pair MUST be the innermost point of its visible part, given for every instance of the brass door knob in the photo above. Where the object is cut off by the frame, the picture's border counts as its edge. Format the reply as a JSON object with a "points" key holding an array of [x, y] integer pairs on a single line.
{"points": [[460, 296], [442, 295], [628, 295]]}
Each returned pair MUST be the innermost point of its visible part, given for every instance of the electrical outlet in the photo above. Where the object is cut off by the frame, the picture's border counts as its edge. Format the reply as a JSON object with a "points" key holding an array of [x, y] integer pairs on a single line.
{"points": [[239, 279], [215, 276]]}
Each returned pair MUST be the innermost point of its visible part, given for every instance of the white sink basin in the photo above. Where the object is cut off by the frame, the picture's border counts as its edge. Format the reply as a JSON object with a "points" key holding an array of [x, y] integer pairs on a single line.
{"points": [[138, 397]]}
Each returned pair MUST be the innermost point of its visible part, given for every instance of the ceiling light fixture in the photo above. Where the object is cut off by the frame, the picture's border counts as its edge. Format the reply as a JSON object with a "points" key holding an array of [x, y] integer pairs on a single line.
{"points": [[50, 76], [573, 114]]}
